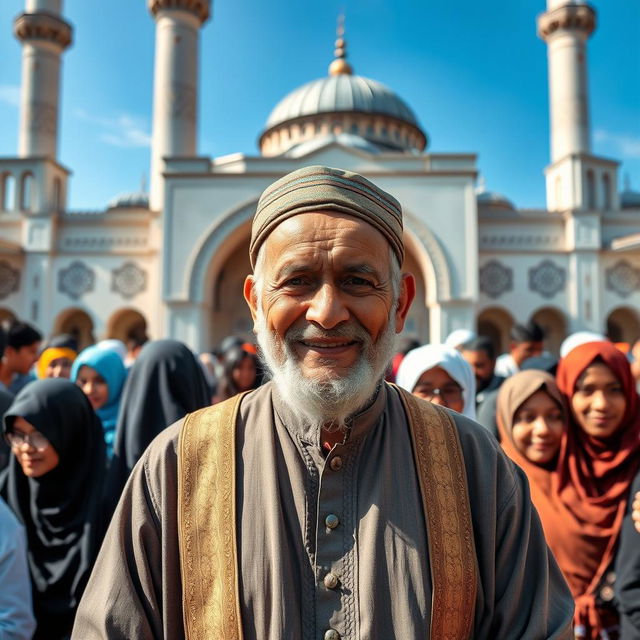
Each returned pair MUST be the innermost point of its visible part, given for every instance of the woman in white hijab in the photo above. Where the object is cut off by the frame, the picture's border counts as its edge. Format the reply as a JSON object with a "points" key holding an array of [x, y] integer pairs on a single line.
{"points": [[441, 375]]}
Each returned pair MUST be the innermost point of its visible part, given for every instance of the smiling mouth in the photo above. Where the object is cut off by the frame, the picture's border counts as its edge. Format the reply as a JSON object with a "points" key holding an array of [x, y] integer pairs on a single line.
{"points": [[328, 345]]}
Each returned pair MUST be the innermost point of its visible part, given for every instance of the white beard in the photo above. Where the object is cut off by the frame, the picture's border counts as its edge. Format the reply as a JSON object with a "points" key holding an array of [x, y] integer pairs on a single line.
{"points": [[328, 402]]}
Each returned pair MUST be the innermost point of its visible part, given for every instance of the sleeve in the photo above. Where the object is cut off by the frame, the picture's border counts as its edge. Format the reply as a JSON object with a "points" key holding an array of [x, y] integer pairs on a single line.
{"points": [[16, 613], [521, 591], [135, 589], [532, 599], [627, 584]]}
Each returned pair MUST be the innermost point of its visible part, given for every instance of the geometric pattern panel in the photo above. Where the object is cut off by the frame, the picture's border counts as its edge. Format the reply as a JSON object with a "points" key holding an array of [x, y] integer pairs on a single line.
{"points": [[547, 279], [9, 279], [129, 280], [623, 278], [76, 280], [495, 279]]}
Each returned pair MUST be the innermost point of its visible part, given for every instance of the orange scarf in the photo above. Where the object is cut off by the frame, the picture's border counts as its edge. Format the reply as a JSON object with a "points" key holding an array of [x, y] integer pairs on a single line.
{"points": [[590, 488]]}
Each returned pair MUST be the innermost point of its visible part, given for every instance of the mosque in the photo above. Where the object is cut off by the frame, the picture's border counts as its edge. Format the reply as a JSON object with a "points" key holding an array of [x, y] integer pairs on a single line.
{"points": [[172, 262]]}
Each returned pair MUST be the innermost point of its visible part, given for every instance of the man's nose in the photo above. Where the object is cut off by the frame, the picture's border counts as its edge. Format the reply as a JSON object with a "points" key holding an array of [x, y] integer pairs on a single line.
{"points": [[327, 308]]}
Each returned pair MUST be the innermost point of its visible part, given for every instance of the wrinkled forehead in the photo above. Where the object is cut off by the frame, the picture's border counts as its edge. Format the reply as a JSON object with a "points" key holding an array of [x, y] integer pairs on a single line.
{"points": [[320, 240]]}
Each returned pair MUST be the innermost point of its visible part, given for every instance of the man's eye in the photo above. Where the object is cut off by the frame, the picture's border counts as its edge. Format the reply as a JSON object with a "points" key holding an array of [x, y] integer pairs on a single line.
{"points": [[358, 281]]}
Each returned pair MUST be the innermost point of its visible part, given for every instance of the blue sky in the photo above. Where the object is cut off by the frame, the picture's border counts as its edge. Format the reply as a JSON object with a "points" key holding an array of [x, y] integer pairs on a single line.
{"points": [[474, 73]]}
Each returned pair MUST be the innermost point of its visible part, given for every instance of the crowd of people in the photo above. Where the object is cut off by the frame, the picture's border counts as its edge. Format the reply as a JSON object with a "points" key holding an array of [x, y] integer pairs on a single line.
{"points": [[77, 423], [573, 426], [90, 451]]}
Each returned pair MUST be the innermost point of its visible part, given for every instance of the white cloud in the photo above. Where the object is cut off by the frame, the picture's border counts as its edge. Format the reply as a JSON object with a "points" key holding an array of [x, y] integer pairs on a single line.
{"points": [[122, 131], [10, 94], [626, 144]]}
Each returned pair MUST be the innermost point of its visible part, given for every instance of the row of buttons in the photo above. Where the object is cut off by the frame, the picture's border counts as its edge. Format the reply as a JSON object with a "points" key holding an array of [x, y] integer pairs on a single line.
{"points": [[331, 580]]}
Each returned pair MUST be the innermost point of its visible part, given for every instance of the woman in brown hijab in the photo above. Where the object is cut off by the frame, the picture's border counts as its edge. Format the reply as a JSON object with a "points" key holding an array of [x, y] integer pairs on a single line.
{"points": [[598, 460], [532, 418]]}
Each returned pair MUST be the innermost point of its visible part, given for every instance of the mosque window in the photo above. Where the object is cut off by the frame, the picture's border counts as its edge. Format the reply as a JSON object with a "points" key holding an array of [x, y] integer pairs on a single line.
{"points": [[8, 192], [370, 130], [26, 191], [591, 190], [606, 191], [57, 194], [354, 127]]}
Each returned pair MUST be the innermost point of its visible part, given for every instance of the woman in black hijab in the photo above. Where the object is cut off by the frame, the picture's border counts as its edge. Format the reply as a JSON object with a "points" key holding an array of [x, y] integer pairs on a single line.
{"points": [[164, 384], [54, 485]]}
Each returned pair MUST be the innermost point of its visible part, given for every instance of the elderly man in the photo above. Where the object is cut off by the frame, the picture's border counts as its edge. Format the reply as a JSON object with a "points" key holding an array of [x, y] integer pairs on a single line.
{"points": [[301, 509]]}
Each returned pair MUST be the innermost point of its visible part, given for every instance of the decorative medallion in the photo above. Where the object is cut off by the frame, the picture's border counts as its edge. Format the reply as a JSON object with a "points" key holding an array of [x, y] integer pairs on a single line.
{"points": [[623, 278], [128, 280], [9, 279], [495, 279], [76, 280], [547, 279]]}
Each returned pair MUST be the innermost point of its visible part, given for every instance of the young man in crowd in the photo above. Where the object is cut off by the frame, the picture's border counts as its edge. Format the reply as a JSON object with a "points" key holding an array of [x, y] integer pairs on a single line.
{"points": [[526, 342], [20, 354], [481, 355]]}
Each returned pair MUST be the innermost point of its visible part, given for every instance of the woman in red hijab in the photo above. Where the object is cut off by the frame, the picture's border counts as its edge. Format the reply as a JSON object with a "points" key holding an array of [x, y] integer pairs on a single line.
{"points": [[598, 460]]}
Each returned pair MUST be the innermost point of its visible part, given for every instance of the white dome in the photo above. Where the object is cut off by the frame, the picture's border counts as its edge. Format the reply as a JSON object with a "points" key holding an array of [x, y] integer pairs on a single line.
{"points": [[495, 200], [341, 93]]}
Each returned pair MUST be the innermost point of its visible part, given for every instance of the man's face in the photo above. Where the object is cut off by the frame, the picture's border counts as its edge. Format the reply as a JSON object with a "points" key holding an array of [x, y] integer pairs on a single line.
{"points": [[523, 350], [326, 290], [21, 360], [482, 366]]}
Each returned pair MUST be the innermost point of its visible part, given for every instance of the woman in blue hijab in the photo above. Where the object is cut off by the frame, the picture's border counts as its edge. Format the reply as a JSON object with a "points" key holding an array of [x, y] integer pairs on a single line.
{"points": [[101, 374]]}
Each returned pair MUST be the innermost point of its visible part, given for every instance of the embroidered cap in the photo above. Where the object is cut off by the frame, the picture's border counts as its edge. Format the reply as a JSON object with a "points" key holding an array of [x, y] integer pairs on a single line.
{"points": [[318, 188]]}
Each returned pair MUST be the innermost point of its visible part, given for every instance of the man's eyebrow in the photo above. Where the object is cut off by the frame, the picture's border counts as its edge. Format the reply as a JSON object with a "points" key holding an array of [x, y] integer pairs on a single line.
{"points": [[291, 268], [362, 267]]}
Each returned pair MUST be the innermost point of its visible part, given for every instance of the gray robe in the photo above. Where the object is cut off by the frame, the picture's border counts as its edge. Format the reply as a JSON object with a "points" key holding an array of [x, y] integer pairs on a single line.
{"points": [[374, 543]]}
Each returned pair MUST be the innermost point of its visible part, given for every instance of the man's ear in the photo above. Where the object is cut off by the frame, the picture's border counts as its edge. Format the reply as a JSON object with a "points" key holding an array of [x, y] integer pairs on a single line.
{"points": [[250, 296], [407, 294]]}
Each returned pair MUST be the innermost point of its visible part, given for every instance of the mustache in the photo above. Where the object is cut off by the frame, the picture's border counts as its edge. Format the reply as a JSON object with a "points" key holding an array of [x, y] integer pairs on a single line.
{"points": [[351, 332]]}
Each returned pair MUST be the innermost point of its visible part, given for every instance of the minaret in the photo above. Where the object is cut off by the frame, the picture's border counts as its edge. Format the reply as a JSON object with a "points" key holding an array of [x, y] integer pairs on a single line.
{"points": [[44, 36], [576, 179], [175, 84], [565, 27]]}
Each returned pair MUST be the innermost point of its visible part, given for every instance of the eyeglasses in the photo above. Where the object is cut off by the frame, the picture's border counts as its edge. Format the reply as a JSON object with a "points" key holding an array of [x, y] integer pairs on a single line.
{"points": [[450, 393], [34, 439]]}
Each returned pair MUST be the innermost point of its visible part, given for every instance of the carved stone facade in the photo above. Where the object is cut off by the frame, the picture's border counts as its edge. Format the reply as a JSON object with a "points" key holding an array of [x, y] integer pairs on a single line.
{"points": [[76, 280], [129, 280], [495, 279], [623, 278], [9, 279], [547, 279]]}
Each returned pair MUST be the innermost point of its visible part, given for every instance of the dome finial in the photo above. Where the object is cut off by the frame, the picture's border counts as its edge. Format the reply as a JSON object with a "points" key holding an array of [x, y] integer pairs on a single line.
{"points": [[340, 66]]}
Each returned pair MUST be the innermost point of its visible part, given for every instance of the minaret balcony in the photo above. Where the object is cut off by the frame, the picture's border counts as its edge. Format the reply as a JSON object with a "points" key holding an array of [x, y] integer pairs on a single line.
{"points": [[43, 26]]}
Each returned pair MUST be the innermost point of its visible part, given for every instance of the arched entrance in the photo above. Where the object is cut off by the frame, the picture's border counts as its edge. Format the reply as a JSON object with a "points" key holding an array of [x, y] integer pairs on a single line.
{"points": [[77, 323], [229, 311], [554, 325], [125, 324], [623, 325], [495, 323], [221, 263], [417, 322]]}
